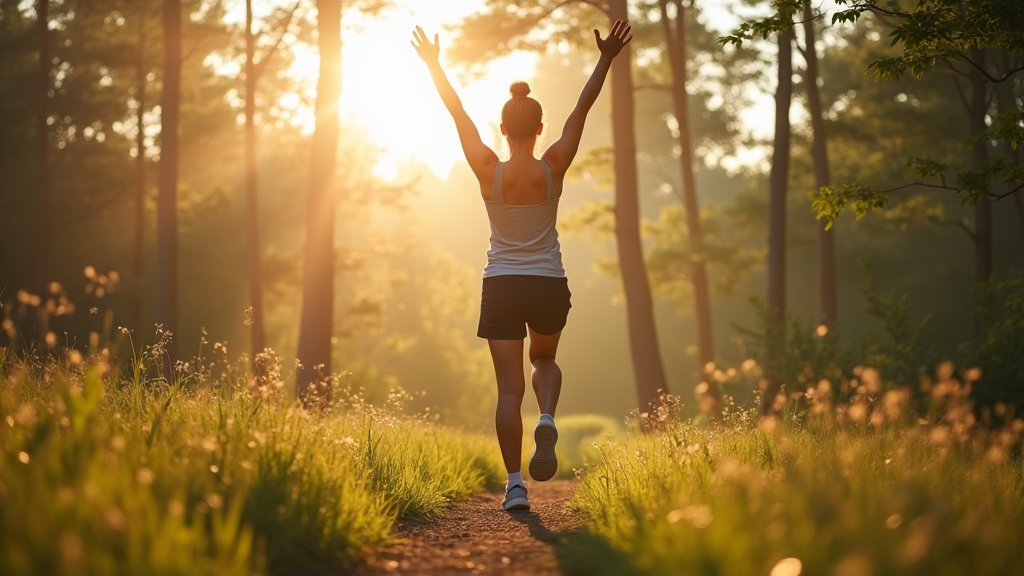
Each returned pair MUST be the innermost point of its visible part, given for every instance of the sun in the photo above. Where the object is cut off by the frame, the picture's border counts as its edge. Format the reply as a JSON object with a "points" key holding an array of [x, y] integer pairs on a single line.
{"points": [[387, 93]]}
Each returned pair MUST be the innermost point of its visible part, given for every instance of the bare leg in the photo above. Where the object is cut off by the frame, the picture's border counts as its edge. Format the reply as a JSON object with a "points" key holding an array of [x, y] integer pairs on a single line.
{"points": [[507, 356], [547, 376]]}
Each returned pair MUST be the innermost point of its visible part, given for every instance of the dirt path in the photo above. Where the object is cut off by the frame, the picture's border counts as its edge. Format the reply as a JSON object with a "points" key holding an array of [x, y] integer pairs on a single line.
{"points": [[476, 537]]}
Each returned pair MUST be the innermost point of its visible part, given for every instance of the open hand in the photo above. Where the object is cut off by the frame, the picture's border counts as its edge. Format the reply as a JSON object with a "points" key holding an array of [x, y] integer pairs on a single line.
{"points": [[617, 38], [427, 50]]}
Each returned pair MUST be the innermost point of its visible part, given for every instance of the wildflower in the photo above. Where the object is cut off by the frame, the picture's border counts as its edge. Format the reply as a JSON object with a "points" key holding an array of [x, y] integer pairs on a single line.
{"points": [[787, 567], [145, 476], [23, 457]]}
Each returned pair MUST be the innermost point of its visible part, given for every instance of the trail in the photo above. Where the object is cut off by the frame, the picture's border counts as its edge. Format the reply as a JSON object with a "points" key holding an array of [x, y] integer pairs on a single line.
{"points": [[476, 536]]}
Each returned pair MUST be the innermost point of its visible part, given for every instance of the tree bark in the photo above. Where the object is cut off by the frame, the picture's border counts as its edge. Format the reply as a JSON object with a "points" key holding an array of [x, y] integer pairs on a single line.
{"points": [[778, 180], [314, 352], [42, 268], [1005, 103], [139, 256], [979, 154], [828, 299], [643, 337], [252, 220], [675, 44], [167, 202]]}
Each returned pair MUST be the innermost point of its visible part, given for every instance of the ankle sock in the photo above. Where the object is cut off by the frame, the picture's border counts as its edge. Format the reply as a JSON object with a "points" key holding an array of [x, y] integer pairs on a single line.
{"points": [[515, 478], [547, 418]]}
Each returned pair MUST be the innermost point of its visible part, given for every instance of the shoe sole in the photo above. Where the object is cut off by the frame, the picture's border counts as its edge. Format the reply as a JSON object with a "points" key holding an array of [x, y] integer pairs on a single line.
{"points": [[544, 464], [517, 505]]}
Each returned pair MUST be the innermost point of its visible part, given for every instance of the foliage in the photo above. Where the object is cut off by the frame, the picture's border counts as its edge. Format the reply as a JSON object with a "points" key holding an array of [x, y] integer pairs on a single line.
{"points": [[669, 254], [859, 487], [998, 351], [102, 473]]}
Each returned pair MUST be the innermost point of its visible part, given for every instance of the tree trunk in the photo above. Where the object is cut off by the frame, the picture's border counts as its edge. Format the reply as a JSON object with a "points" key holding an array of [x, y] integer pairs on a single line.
{"points": [[778, 180], [252, 220], [643, 337], [167, 202], [42, 268], [983, 208], [828, 300], [139, 260], [1006, 104], [675, 44], [314, 353]]}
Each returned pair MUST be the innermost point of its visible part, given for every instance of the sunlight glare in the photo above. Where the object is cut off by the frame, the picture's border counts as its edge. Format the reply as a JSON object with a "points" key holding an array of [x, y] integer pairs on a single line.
{"points": [[388, 92]]}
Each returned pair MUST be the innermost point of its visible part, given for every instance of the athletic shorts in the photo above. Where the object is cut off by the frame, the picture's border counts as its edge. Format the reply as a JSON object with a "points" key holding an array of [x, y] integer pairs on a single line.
{"points": [[510, 303]]}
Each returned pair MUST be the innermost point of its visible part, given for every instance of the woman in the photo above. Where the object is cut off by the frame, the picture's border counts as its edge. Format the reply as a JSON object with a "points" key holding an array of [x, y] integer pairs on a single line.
{"points": [[524, 287]]}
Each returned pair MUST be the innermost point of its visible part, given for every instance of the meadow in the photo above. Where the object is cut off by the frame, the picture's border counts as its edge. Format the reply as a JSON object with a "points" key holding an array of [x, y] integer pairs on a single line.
{"points": [[203, 467], [206, 469], [851, 480]]}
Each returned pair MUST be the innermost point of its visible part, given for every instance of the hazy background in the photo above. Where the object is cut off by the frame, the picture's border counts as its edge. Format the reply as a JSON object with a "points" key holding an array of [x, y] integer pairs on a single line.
{"points": [[411, 227]]}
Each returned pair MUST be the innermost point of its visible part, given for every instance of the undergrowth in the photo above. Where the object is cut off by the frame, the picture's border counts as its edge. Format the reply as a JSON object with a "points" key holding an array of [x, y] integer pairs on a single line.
{"points": [[865, 486], [104, 472]]}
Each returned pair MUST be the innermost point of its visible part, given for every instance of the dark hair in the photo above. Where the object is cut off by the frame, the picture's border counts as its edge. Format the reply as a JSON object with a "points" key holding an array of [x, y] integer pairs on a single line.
{"points": [[521, 114]]}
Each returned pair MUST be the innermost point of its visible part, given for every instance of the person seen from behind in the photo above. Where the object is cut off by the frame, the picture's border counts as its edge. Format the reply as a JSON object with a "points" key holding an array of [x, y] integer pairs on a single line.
{"points": [[525, 290]]}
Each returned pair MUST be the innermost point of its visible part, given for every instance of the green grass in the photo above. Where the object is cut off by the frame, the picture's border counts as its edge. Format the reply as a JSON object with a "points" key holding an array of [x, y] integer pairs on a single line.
{"points": [[857, 489], [102, 474]]}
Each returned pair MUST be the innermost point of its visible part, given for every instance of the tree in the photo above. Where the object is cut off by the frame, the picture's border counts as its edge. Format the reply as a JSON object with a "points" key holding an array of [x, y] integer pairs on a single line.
{"points": [[828, 298], [253, 70], [503, 27], [778, 181], [43, 152], [139, 246], [314, 352], [167, 200], [674, 32]]}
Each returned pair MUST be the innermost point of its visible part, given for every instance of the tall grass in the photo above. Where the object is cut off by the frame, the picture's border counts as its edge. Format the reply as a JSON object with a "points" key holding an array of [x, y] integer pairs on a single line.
{"points": [[214, 474], [861, 488]]}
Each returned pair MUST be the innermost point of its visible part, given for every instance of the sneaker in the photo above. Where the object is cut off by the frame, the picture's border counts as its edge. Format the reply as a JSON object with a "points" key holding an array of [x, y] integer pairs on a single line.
{"points": [[544, 464], [515, 498]]}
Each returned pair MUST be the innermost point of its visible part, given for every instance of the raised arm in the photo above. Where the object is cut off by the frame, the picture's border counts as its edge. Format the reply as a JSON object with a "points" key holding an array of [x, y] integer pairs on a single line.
{"points": [[481, 158], [560, 154]]}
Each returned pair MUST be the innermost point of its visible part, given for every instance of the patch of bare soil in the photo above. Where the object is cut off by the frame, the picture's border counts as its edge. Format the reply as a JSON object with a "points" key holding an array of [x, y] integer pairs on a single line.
{"points": [[476, 536]]}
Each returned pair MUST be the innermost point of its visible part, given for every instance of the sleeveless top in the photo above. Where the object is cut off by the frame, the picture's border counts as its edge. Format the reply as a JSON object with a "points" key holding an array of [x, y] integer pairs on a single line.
{"points": [[523, 236]]}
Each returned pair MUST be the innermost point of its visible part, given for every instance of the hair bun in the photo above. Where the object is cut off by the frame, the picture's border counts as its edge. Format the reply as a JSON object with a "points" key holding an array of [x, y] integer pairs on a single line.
{"points": [[519, 89]]}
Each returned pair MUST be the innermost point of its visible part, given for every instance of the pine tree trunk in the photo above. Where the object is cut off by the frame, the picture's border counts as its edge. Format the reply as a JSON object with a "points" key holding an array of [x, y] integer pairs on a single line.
{"points": [[1006, 104], [252, 220], [643, 337], [979, 154], [314, 353], [778, 180], [139, 253], [828, 299], [42, 269], [167, 201], [675, 44]]}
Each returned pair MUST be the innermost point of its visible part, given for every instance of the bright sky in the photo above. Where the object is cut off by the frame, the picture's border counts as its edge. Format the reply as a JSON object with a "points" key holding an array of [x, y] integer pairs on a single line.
{"points": [[387, 92]]}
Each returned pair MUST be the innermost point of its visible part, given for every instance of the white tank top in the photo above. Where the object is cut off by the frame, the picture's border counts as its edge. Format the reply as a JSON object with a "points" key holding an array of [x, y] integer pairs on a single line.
{"points": [[523, 236]]}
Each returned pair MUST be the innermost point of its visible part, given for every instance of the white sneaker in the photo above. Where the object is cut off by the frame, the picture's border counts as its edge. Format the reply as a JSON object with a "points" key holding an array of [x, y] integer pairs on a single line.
{"points": [[515, 498], [544, 463]]}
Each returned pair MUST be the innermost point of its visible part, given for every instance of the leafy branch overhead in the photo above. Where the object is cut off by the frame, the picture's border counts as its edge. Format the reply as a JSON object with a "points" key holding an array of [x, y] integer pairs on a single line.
{"points": [[969, 184], [946, 36]]}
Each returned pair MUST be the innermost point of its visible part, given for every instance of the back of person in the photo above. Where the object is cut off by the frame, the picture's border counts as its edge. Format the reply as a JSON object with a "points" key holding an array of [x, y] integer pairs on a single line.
{"points": [[522, 214]]}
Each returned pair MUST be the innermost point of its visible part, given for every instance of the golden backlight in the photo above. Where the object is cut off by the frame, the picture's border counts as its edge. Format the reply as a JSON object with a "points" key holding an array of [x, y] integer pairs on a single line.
{"points": [[387, 93]]}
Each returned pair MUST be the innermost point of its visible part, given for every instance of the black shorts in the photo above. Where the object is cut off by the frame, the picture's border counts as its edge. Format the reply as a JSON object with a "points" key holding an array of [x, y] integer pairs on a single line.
{"points": [[510, 303]]}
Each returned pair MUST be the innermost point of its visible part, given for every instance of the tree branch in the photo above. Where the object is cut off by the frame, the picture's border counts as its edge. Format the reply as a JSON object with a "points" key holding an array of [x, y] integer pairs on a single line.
{"points": [[262, 64]]}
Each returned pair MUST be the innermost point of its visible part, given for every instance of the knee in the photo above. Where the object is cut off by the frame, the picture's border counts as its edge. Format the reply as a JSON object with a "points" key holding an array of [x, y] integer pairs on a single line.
{"points": [[512, 388]]}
